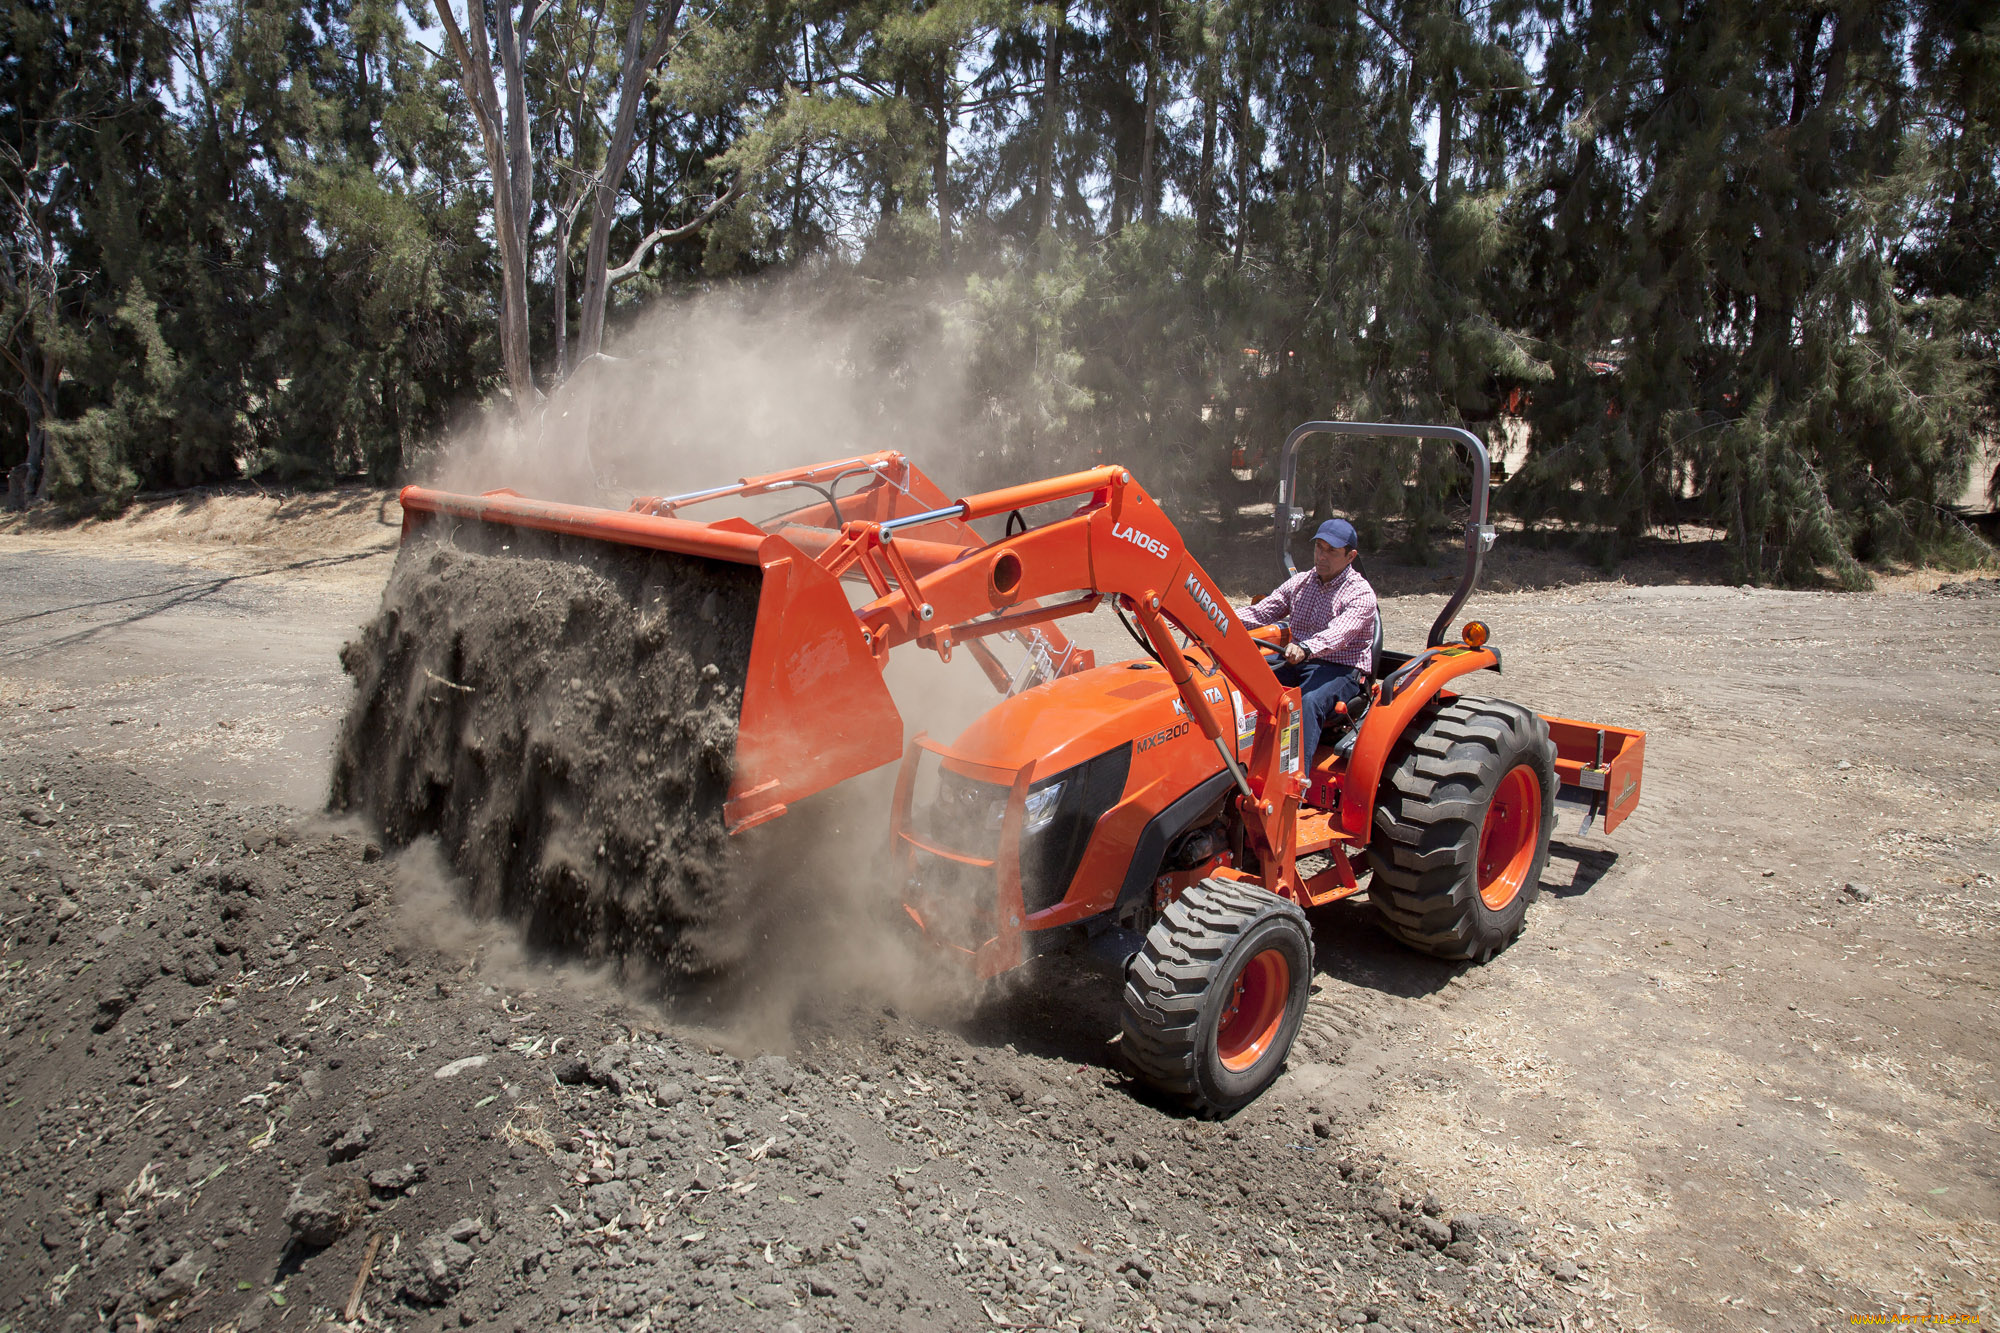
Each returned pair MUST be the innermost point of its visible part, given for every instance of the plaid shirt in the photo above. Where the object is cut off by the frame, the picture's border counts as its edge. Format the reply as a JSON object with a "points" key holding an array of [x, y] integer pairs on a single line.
{"points": [[1335, 621]]}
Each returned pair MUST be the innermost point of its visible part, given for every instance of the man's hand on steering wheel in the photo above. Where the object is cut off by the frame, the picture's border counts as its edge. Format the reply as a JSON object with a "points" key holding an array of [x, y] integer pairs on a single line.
{"points": [[1295, 653]]}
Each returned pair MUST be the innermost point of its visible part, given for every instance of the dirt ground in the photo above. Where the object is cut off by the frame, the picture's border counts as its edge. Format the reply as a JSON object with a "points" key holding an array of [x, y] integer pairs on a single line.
{"points": [[1740, 1072]]}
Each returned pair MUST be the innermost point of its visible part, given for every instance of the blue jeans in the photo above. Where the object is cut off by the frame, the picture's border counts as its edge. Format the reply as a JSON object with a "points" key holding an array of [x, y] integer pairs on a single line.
{"points": [[1321, 685]]}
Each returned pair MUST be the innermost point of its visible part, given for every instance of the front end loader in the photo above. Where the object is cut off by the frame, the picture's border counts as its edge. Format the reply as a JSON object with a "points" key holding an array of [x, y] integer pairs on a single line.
{"points": [[1155, 815]]}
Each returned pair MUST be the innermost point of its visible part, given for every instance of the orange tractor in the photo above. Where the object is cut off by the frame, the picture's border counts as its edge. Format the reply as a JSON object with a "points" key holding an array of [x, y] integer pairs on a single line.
{"points": [[1156, 813]]}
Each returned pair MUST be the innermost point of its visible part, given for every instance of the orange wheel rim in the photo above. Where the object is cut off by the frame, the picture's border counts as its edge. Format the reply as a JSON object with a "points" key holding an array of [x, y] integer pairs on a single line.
{"points": [[1508, 838], [1255, 1011]]}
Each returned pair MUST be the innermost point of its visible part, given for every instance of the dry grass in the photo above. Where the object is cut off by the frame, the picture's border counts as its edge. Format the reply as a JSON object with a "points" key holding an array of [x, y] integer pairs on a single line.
{"points": [[529, 1123]]}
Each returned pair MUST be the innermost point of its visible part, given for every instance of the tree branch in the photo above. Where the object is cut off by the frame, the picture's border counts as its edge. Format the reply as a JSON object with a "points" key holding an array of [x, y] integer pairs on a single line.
{"points": [[1386, 30], [7, 351], [641, 58], [470, 71], [631, 266], [663, 37]]}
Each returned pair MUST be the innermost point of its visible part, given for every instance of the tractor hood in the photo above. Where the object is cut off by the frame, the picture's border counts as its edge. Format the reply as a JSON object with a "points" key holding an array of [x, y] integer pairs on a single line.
{"points": [[1058, 725]]}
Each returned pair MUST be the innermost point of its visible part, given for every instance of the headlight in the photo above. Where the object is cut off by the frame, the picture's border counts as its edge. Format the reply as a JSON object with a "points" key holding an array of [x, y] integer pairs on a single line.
{"points": [[1041, 807], [968, 805], [966, 813]]}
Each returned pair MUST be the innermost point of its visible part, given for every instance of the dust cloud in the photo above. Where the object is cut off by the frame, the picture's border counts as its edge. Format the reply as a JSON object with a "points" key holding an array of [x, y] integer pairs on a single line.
{"points": [[704, 389], [745, 934]]}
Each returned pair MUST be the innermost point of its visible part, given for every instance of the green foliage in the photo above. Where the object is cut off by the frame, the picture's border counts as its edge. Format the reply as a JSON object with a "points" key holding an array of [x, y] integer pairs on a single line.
{"points": [[1736, 264], [273, 263]]}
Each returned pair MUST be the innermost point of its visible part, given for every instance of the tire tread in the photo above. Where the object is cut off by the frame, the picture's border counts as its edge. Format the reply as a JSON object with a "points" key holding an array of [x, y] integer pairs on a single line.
{"points": [[1168, 981], [1427, 820]]}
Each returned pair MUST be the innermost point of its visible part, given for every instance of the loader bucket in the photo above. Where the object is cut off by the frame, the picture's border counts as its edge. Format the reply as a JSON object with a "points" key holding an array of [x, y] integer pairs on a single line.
{"points": [[583, 706], [814, 712]]}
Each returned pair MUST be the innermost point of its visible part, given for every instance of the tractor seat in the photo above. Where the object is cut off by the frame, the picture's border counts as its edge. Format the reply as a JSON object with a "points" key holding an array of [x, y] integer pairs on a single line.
{"points": [[1338, 733], [1342, 731]]}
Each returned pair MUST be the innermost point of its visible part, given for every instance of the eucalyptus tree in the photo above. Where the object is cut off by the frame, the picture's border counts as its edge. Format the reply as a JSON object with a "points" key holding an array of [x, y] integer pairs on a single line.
{"points": [[68, 74], [500, 99], [1738, 263], [1723, 191]]}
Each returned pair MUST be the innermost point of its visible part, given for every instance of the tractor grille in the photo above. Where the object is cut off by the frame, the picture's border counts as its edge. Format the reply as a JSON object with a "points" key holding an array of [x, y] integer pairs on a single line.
{"points": [[957, 901], [963, 818]]}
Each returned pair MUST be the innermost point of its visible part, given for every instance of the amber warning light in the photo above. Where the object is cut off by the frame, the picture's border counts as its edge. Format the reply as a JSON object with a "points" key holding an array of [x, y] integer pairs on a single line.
{"points": [[1475, 633]]}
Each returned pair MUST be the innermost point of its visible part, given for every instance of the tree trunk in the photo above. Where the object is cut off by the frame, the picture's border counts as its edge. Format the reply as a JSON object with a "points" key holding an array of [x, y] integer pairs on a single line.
{"points": [[892, 195], [1447, 134], [941, 167], [1242, 168], [520, 163], [647, 211], [30, 481], [1335, 189], [558, 291], [1149, 204], [559, 284], [1045, 154], [1802, 65], [227, 177], [1250, 55], [636, 66], [1805, 233], [38, 443], [1204, 193], [475, 73], [1835, 88]]}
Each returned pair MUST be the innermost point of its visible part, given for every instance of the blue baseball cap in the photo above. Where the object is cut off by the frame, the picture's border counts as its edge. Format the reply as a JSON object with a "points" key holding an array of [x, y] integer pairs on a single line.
{"points": [[1337, 533]]}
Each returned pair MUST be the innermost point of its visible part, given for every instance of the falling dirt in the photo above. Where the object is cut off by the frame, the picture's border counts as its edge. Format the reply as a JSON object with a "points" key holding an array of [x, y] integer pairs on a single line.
{"points": [[562, 716]]}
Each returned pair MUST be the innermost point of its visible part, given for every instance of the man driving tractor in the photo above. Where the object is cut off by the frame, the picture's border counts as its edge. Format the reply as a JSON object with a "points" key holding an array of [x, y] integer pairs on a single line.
{"points": [[1332, 613]]}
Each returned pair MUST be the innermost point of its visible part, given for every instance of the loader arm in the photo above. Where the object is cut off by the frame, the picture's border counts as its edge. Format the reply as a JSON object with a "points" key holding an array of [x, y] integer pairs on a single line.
{"points": [[894, 488], [1118, 543], [814, 665]]}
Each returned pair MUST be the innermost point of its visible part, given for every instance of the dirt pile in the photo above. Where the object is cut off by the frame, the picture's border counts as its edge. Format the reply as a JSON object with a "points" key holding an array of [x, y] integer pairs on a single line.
{"points": [[249, 518], [239, 1058], [562, 716]]}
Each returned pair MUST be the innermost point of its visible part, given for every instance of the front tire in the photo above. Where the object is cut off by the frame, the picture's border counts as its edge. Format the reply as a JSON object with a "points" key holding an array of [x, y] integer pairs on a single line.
{"points": [[1213, 1002], [1462, 827]]}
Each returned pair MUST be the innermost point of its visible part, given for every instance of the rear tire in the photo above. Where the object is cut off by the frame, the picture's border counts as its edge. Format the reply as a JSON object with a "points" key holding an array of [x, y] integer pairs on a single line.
{"points": [[1462, 825], [1213, 1002]]}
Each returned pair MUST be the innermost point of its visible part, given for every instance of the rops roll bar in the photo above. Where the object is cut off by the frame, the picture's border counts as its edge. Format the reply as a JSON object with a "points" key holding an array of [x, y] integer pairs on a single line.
{"points": [[1478, 532]]}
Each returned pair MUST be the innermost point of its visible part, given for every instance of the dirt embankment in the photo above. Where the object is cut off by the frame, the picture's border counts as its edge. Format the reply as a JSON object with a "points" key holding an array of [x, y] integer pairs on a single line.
{"points": [[343, 520], [562, 716]]}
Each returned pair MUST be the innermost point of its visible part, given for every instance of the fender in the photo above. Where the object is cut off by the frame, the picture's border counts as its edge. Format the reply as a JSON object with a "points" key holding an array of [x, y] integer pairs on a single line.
{"points": [[1399, 698]]}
